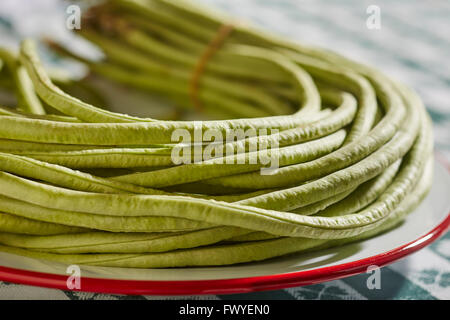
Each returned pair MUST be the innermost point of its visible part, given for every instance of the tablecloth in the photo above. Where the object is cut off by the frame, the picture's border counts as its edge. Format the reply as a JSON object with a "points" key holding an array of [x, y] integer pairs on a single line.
{"points": [[409, 40]]}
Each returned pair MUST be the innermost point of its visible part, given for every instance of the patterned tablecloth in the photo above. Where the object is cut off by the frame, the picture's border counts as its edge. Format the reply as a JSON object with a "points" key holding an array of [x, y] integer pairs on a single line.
{"points": [[412, 45]]}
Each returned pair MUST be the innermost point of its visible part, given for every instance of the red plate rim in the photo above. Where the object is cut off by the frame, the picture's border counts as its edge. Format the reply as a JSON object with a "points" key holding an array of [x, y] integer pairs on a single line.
{"points": [[228, 286]]}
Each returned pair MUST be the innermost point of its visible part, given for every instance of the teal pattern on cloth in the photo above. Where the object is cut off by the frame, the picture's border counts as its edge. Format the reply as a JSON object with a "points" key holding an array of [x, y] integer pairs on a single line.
{"points": [[410, 46]]}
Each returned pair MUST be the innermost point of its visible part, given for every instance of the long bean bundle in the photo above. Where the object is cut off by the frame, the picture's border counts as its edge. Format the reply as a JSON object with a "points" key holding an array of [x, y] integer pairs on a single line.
{"points": [[353, 148]]}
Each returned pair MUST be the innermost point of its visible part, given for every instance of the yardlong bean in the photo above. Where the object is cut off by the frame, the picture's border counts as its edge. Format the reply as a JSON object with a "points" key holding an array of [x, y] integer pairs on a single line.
{"points": [[318, 150]]}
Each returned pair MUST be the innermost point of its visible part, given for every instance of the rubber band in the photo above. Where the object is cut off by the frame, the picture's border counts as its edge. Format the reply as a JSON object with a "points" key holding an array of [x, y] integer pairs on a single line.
{"points": [[216, 43]]}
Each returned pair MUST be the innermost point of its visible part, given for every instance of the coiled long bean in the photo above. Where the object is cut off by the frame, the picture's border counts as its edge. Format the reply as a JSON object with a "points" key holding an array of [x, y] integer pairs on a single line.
{"points": [[353, 148]]}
